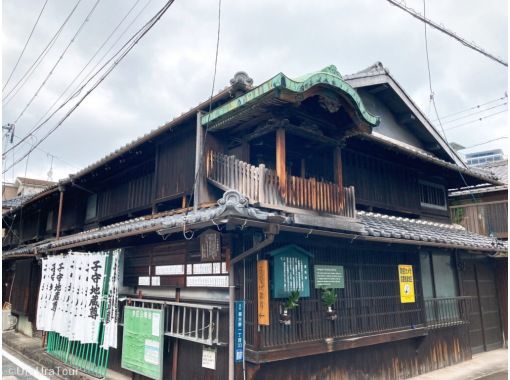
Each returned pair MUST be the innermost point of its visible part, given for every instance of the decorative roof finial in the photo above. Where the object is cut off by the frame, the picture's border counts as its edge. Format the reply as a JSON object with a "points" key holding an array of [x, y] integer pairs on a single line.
{"points": [[241, 81]]}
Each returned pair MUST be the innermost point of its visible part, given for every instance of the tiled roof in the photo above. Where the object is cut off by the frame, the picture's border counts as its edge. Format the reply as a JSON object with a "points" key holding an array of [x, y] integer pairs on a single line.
{"points": [[15, 202], [499, 168], [412, 150], [380, 225], [232, 203], [35, 182]]}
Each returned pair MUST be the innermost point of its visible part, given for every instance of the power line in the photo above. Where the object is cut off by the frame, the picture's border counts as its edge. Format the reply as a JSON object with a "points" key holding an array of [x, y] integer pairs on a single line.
{"points": [[474, 113], [200, 162], [92, 58], [433, 99], [474, 121], [448, 32], [134, 40], [486, 142], [25, 77], [83, 85], [87, 18], [472, 108], [26, 44]]}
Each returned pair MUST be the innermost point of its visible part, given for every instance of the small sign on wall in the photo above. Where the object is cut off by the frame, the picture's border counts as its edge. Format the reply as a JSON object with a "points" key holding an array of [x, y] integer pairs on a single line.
{"points": [[263, 292], [209, 357], [239, 331], [406, 280], [290, 271], [210, 246], [329, 276]]}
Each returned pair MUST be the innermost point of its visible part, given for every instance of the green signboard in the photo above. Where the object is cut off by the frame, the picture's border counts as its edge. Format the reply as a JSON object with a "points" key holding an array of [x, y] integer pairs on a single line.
{"points": [[290, 271], [329, 276], [142, 344]]}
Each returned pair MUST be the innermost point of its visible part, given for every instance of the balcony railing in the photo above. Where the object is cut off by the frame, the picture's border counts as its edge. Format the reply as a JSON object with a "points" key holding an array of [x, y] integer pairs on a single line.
{"points": [[199, 323], [261, 185], [445, 312]]}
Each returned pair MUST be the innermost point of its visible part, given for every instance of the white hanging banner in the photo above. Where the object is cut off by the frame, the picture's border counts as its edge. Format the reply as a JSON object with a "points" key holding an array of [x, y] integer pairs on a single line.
{"points": [[112, 298], [71, 297]]}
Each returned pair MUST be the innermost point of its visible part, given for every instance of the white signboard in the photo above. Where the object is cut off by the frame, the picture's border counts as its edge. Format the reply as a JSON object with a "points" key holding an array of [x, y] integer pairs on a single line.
{"points": [[209, 357], [207, 281], [205, 268], [144, 281], [169, 270], [155, 281]]}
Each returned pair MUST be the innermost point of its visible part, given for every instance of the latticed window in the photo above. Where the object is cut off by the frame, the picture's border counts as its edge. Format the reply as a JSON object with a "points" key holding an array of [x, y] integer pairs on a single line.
{"points": [[432, 195]]}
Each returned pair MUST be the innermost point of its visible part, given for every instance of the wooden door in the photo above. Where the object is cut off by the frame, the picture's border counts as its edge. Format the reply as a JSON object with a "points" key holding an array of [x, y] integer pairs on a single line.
{"points": [[478, 281]]}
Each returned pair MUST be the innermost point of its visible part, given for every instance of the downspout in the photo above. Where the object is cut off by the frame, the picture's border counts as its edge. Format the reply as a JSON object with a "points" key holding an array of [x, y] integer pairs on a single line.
{"points": [[271, 232], [60, 206]]}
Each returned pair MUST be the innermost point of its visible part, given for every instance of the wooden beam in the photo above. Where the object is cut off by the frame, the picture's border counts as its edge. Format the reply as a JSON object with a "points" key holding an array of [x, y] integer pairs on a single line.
{"points": [[281, 170]]}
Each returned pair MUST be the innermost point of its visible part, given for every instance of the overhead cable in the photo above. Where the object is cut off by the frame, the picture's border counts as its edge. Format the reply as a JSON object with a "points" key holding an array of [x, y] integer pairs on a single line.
{"points": [[52, 70], [446, 31], [26, 76], [132, 42], [24, 47], [87, 79]]}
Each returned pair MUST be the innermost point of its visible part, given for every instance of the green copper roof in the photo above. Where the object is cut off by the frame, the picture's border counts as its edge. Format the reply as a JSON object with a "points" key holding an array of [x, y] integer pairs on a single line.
{"points": [[327, 76]]}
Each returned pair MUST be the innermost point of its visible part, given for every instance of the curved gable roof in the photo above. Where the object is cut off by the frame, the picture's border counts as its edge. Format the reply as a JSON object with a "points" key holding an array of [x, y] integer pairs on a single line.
{"points": [[328, 77]]}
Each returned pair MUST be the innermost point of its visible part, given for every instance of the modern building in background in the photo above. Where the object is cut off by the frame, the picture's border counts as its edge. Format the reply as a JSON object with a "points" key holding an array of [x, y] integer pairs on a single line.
{"points": [[480, 159]]}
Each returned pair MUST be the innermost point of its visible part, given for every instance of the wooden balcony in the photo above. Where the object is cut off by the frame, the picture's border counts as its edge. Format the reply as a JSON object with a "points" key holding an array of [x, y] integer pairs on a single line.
{"points": [[261, 185]]}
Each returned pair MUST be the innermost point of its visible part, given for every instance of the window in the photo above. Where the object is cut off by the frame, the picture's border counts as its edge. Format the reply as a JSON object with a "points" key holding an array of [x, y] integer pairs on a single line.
{"points": [[439, 282], [432, 195], [49, 221], [91, 212]]}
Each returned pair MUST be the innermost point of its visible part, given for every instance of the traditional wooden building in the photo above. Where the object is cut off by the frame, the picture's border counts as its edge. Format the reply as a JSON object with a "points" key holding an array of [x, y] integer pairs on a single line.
{"points": [[297, 229]]}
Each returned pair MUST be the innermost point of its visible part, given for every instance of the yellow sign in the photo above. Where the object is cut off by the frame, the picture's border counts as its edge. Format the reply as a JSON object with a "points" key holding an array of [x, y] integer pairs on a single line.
{"points": [[263, 292], [406, 279]]}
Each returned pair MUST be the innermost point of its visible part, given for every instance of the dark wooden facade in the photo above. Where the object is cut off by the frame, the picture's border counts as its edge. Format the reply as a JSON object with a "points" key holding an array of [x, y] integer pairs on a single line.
{"points": [[293, 154]]}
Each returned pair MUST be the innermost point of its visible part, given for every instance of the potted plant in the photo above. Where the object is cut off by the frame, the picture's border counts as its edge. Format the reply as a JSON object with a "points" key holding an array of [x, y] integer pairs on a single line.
{"points": [[290, 303], [329, 297]]}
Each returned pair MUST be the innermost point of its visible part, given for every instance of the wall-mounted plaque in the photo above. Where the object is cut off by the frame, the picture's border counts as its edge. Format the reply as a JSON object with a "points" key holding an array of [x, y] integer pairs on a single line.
{"points": [[207, 281], [169, 270], [329, 276], [290, 271], [210, 246]]}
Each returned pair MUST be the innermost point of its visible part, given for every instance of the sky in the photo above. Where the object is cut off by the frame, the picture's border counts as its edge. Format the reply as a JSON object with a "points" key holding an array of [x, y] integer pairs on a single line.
{"points": [[171, 69]]}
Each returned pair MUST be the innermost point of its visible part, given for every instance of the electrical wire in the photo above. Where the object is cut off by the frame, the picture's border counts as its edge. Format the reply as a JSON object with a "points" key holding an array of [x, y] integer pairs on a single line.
{"points": [[474, 113], [130, 45], [472, 108], [442, 29], [200, 162], [26, 44], [25, 77], [52, 70], [433, 99], [486, 142], [82, 85], [90, 60], [474, 121]]}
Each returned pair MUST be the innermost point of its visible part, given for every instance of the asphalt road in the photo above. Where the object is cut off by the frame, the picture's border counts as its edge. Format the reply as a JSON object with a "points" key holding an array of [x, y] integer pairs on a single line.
{"points": [[503, 375], [11, 371]]}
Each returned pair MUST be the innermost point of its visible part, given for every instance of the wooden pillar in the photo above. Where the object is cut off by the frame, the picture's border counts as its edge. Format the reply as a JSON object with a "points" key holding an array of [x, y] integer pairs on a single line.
{"points": [[337, 166], [281, 170], [199, 171], [175, 345], [60, 207], [303, 168]]}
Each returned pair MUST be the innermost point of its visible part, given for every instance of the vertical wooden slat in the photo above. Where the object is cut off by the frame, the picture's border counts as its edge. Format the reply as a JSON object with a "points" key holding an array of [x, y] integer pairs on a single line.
{"points": [[281, 170]]}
